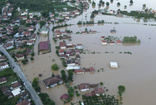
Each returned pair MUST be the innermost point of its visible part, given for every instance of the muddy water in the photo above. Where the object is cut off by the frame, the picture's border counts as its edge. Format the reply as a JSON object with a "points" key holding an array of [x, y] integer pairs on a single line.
{"points": [[136, 72]]}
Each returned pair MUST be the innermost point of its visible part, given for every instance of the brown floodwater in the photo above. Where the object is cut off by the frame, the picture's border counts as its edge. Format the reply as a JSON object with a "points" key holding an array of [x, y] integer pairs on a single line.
{"points": [[136, 71]]}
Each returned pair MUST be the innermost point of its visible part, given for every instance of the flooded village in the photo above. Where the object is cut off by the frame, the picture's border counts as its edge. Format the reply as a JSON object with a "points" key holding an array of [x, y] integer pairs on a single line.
{"points": [[98, 55]]}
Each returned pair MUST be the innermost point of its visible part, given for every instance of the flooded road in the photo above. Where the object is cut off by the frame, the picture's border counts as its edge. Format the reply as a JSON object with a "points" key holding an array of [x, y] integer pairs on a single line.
{"points": [[136, 71]]}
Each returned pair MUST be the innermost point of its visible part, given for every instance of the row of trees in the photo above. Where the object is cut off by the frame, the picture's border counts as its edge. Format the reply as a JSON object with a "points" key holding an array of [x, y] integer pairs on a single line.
{"points": [[101, 100], [35, 85], [131, 39], [139, 14], [46, 99], [66, 78]]}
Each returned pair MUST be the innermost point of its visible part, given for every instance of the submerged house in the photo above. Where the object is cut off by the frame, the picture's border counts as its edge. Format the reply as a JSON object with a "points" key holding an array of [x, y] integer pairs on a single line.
{"points": [[44, 46], [113, 65], [53, 81], [84, 87], [44, 30]]}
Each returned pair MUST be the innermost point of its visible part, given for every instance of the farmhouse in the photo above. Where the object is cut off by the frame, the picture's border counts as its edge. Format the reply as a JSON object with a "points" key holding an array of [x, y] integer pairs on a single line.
{"points": [[118, 42], [104, 42], [64, 97], [52, 81], [84, 87], [4, 65], [79, 71], [3, 80], [19, 57]]}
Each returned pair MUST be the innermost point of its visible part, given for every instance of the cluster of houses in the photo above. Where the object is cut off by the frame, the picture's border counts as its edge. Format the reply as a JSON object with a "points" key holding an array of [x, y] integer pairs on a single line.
{"points": [[7, 12], [14, 37], [3, 62], [71, 54], [16, 89], [92, 88], [84, 3], [104, 42], [65, 16], [62, 34]]}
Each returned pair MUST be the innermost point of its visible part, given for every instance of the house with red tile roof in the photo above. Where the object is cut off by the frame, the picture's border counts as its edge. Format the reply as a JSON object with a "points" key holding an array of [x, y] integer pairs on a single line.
{"points": [[61, 52], [3, 80], [102, 38], [24, 102], [2, 58], [64, 97], [79, 46], [79, 71], [31, 28], [84, 87], [118, 42], [19, 57], [104, 42], [15, 85], [91, 69], [4, 65], [30, 42], [44, 46], [112, 43], [62, 45], [52, 81], [98, 91]]}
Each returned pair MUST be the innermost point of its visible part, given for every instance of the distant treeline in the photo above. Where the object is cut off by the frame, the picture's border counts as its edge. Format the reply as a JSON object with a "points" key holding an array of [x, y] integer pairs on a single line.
{"points": [[131, 39], [40, 5], [138, 14], [89, 22]]}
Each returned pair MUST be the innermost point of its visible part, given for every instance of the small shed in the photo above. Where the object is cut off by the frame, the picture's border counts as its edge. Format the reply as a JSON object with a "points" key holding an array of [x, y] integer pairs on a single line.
{"points": [[113, 64]]}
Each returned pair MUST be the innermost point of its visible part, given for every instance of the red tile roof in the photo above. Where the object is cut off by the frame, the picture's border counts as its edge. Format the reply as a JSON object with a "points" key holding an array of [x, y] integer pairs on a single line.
{"points": [[3, 79], [19, 55], [44, 45], [64, 96], [84, 86], [118, 41], [78, 70], [52, 80], [15, 85], [24, 102]]}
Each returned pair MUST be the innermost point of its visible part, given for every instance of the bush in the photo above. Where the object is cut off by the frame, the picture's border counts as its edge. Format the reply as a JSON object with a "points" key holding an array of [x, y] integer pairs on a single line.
{"points": [[55, 67], [101, 83], [32, 58], [121, 89]]}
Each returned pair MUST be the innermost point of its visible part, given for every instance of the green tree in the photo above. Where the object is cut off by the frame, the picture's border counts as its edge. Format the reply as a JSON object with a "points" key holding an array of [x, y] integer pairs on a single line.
{"points": [[32, 54], [70, 75], [107, 4], [93, 3], [131, 1], [121, 89], [144, 5], [35, 85], [71, 91], [42, 23], [55, 67], [64, 77], [32, 58], [118, 4], [111, 1]]}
